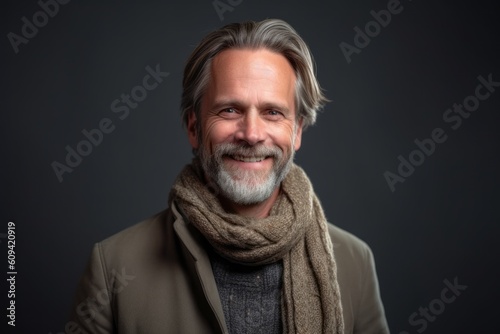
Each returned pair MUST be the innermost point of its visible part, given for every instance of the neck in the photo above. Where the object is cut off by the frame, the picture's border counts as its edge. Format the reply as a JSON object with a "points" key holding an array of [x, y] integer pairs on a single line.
{"points": [[258, 210]]}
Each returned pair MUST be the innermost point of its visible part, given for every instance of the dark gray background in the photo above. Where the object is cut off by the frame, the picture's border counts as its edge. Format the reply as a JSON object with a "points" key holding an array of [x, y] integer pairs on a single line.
{"points": [[441, 223]]}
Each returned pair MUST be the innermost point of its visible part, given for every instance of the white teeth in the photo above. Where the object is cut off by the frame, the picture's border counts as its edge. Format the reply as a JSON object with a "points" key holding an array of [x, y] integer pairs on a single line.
{"points": [[247, 159]]}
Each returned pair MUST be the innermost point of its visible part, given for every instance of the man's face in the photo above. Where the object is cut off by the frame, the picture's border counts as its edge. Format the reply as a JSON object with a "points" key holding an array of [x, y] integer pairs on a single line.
{"points": [[249, 132]]}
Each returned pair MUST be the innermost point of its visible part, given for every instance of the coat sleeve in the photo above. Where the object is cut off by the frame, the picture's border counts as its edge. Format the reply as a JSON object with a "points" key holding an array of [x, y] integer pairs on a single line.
{"points": [[91, 311], [370, 317]]}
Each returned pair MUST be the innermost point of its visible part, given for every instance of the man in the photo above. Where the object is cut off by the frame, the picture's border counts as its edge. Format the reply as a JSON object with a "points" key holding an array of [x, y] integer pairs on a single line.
{"points": [[244, 246]]}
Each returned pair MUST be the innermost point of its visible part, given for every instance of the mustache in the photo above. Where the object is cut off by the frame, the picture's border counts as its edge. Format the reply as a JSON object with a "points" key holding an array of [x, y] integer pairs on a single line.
{"points": [[252, 151]]}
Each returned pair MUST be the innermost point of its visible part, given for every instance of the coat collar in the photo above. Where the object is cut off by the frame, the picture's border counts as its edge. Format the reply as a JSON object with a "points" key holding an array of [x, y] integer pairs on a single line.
{"points": [[198, 263]]}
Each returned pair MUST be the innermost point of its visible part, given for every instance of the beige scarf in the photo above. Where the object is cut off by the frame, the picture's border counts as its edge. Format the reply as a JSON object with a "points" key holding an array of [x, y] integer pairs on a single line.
{"points": [[295, 231]]}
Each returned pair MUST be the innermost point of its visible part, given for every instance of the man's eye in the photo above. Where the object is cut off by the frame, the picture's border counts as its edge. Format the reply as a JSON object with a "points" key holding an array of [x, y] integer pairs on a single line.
{"points": [[229, 110], [273, 112]]}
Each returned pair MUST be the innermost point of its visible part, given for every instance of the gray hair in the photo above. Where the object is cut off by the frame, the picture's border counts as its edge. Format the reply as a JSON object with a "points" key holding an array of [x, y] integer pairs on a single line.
{"points": [[272, 34]]}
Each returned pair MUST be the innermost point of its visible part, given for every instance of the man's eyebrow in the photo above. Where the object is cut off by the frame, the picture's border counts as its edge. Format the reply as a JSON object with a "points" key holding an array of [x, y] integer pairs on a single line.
{"points": [[238, 104], [220, 104], [276, 106]]}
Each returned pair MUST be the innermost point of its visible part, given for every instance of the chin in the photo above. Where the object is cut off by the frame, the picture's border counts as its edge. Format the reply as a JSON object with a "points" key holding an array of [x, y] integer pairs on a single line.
{"points": [[246, 192]]}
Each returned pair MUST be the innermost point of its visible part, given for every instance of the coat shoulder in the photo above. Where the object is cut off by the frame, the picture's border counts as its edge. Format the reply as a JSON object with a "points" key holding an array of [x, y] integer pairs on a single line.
{"points": [[347, 243], [146, 239], [361, 302]]}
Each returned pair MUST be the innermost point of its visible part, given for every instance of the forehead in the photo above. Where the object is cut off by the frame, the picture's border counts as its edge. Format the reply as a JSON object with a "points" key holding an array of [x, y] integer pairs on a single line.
{"points": [[251, 70], [232, 59]]}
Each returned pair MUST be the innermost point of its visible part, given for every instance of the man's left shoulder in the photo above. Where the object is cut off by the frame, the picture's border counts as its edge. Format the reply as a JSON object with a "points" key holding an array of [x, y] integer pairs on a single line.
{"points": [[352, 255], [357, 278], [347, 242]]}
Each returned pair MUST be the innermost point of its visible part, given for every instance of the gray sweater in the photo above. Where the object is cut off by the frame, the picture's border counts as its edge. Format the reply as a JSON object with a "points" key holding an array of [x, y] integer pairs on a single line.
{"points": [[250, 295]]}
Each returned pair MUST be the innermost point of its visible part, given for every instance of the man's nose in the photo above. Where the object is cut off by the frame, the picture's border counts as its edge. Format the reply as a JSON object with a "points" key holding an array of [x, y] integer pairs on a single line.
{"points": [[251, 129]]}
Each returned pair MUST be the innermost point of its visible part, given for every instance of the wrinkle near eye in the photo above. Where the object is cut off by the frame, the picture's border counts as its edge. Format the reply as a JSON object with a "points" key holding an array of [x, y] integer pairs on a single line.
{"points": [[210, 124]]}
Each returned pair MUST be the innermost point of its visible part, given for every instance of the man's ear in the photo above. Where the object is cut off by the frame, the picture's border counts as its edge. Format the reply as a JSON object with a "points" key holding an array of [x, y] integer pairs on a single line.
{"points": [[298, 134], [191, 129]]}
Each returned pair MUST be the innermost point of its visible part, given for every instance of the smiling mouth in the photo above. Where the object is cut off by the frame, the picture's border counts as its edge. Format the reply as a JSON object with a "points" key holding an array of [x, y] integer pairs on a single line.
{"points": [[243, 158]]}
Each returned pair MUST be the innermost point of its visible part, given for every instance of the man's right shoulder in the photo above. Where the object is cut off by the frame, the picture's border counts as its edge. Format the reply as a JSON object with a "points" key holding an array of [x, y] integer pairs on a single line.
{"points": [[140, 229], [140, 241]]}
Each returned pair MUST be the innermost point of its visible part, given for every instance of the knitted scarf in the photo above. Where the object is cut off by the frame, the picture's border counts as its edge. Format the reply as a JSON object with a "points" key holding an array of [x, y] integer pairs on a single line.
{"points": [[295, 232]]}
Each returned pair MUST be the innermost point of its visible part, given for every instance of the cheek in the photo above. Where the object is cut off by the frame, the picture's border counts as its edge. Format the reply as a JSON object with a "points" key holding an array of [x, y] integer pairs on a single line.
{"points": [[216, 131], [285, 138]]}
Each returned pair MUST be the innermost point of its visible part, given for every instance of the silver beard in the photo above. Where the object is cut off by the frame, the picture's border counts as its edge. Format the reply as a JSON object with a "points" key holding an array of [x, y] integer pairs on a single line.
{"points": [[244, 186]]}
